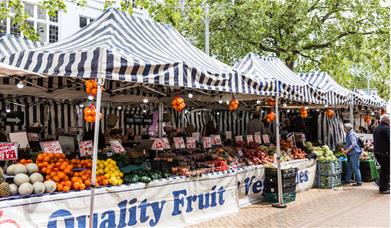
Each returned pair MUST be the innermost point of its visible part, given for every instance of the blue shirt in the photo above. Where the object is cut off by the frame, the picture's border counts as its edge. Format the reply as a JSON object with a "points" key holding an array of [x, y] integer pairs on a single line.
{"points": [[351, 142]]}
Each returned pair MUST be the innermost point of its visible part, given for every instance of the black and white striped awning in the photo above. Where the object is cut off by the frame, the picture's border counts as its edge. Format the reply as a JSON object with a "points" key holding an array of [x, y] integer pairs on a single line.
{"points": [[121, 47], [10, 44], [336, 94], [273, 71], [363, 99]]}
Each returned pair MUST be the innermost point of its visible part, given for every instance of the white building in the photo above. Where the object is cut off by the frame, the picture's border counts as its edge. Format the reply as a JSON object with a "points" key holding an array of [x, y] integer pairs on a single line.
{"points": [[53, 29]]}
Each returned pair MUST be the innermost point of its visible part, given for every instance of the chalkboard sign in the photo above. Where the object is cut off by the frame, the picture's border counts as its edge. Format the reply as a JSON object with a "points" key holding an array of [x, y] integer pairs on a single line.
{"points": [[138, 119]]}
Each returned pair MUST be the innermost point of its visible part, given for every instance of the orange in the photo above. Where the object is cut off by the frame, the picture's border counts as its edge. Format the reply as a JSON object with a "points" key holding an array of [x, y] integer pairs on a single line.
{"points": [[105, 182], [76, 185], [66, 189], [68, 183], [46, 159], [51, 156], [87, 183], [47, 177], [40, 157], [59, 187], [61, 175], [74, 179], [82, 186], [43, 170], [84, 177], [56, 178], [63, 166], [76, 174], [67, 171]]}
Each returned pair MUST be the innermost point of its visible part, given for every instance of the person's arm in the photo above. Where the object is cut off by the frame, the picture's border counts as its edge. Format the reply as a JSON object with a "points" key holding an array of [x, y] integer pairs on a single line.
{"points": [[353, 141]]}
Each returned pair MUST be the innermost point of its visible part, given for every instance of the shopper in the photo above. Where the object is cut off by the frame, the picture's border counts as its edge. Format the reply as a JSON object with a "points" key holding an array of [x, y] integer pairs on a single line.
{"points": [[255, 125], [381, 142], [353, 151]]}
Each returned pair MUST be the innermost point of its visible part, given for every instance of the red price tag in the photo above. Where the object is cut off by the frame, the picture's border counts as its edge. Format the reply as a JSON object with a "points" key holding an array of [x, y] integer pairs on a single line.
{"points": [[207, 142], [53, 147], [179, 143], [85, 148], [158, 144], [8, 151], [190, 143]]}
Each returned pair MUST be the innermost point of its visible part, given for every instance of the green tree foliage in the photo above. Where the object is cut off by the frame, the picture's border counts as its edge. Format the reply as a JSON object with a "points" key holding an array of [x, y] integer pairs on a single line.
{"points": [[349, 39]]}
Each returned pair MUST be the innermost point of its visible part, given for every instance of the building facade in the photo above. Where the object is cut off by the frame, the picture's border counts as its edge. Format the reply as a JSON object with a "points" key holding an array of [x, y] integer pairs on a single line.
{"points": [[64, 24]]}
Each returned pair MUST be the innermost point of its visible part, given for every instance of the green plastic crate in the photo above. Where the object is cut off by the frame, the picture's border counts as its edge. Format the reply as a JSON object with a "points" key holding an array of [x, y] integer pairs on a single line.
{"points": [[369, 170], [286, 197]]}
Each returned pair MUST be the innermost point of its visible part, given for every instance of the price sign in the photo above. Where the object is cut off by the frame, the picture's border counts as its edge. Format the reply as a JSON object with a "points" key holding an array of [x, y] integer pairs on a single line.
{"points": [[238, 138], [257, 138], [116, 146], [216, 139], [8, 151], [85, 148], [207, 142], [53, 147], [33, 137], [250, 138], [190, 143], [228, 135], [158, 144], [166, 143], [266, 139], [179, 143], [196, 135]]}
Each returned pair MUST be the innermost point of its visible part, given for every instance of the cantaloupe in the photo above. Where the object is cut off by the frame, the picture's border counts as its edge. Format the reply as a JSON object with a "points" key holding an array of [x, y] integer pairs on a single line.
{"points": [[36, 177], [39, 188], [50, 186], [21, 178], [25, 189], [32, 168], [10, 170], [14, 189], [19, 168]]}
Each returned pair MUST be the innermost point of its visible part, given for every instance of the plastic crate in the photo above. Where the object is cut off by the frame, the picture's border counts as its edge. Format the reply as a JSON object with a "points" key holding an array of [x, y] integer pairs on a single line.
{"points": [[274, 189], [329, 167], [328, 181], [286, 173], [369, 171], [286, 197], [287, 181]]}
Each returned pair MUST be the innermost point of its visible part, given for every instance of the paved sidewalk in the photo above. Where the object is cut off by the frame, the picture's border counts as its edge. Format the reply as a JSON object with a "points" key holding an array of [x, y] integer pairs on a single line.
{"points": [[344, 207]]}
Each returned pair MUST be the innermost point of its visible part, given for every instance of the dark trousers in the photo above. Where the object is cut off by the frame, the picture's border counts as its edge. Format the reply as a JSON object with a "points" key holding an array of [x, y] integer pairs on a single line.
{"points": [[384, 180]]}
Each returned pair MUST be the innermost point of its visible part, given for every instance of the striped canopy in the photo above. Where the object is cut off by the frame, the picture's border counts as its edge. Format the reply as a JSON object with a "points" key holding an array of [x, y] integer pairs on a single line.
{"points": [[118, 46], [11, 44], [336, 94], [363, 99], [275, 72]]}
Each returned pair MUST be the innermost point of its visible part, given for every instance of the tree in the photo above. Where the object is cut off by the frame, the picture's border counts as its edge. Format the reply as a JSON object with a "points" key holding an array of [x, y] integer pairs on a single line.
{"points": [[349, 39]]}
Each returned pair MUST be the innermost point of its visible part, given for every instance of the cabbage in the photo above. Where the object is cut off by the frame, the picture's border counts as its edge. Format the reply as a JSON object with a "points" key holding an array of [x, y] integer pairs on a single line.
{"points": [[322, 158], [325, 148]]}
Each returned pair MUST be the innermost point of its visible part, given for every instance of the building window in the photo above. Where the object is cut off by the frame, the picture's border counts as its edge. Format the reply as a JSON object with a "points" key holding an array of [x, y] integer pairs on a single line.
{"points": [[42, 31], [14, 29], [83, 22], [3, 26], [54, 18], [29, 9], [53, 34], [41, 13]]}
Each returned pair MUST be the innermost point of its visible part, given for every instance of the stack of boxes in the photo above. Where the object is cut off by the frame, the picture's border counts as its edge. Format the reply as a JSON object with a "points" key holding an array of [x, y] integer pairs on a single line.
{"points": [[270, 190]]}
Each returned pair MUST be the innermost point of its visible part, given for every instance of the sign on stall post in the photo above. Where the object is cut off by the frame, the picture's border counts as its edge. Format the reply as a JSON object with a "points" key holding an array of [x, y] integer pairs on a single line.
{"points": [[266, 139], [158, 144], [238, 138], [228, 135], [14, 118], [116, 146], [166, 144], [21, 138], [257, 137], [85, 148], [207, 142], [196, 135], [53, 147], [249, 138], [8, 151], [190, 143], [216, 139], [179, 143]]}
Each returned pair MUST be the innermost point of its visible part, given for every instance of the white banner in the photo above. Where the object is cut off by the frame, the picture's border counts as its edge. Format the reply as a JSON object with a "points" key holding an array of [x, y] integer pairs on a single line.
{"points": [[250, 184], [306, 173], [182, 201]]}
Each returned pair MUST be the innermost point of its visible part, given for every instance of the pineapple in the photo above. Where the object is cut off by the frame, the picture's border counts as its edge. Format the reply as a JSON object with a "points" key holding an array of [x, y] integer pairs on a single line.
{"points": [[5, 190], [2, 178]]}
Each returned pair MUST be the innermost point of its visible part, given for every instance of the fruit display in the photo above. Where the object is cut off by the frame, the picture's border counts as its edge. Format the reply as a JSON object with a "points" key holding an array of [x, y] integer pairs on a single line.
{"points": [[90, 113], [233, 105], [291, 151], [324, 154], [91, 87], [271, 116], [329, 113], [110, 171], [178, 103]]}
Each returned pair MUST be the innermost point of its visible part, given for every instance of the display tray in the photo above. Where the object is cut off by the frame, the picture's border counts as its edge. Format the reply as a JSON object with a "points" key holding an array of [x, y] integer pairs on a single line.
{"points": [[273, 197]]}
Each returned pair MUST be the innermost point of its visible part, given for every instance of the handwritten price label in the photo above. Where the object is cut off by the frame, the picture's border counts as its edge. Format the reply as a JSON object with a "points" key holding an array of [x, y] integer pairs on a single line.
{"points": [[216, 139], [207, 142], [238, 138], [190, 143], [85, 148], [116, 146], [166, 143], [196, 135], [228, 135], [258, 138], [158, 144], [266, 139], [53, 147], [179, 143], [250, 138], [8, 151]]}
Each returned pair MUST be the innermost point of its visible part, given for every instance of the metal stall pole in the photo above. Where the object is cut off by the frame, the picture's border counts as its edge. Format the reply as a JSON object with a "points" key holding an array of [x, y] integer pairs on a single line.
{"points": [[95, 149], [280, 203], [160, 120], [351, 114]]}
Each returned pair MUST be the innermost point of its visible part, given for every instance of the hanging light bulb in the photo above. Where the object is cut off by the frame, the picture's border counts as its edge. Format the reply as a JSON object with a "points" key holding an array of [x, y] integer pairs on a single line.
{"points": [[81, 105], [284, 105], [227, 102], [372, 113], [288, 111], [317, 110], [8, 110], [326, 105], [218, 113], [119, 107], [258, 101], [91, 98], [220, 101], [306, 108], [20, 85], [144, 111], [190, 95], [145, 100]]}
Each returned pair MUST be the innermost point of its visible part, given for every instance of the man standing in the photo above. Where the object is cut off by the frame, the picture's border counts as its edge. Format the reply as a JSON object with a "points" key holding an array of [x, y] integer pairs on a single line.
{"points": [[381, 143], [353, 151], [255, 125]]}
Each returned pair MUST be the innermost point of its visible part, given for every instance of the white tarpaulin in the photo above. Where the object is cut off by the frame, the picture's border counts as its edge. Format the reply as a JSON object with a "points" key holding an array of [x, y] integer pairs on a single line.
{"points": [[306, 173], [250, 184]]}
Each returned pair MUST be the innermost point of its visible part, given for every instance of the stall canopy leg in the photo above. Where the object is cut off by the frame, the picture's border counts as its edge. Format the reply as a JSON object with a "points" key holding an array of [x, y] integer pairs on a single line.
{"points": [[280, 203], [95, 151], [160, 120]]}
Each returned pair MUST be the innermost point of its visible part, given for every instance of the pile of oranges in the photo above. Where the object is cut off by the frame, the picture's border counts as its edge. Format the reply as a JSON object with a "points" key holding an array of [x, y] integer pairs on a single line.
{"points": [[271, 116], [25, 161], [90, 114], [91, 87], [178, 103], [233, 105], [303, 112], [329, 113]]}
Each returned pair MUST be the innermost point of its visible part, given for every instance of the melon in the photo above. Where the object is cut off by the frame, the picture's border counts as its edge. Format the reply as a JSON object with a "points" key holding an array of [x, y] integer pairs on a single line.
{"points": [[13, 189], [25, 189], [36, 177], [10, 170], [32, 168], [19, 168], [50, 186], [39, 188], [21, 178]]}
